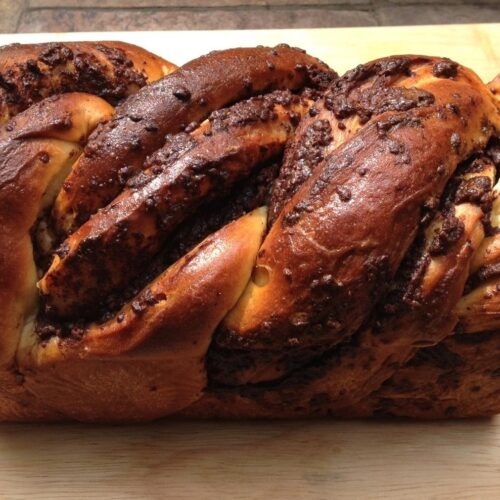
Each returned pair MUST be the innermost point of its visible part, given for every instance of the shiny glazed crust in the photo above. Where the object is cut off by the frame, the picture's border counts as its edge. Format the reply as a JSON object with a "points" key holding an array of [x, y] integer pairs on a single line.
{"points": [[112, 70], [253, 236], [181, 100]]}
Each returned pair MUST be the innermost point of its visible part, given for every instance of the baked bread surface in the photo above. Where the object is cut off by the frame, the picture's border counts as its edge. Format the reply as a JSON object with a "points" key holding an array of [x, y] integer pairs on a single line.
{"points": [[250, 235]]}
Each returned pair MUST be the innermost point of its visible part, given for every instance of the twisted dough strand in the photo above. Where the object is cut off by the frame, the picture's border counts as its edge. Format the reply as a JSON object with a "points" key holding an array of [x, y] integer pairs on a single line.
{"points": [[332, 226], [170, 105], [96, 258]]}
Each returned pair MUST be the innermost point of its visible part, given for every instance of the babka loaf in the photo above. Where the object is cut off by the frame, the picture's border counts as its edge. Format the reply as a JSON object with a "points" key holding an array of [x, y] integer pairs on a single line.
{"points": [[247, 235]]}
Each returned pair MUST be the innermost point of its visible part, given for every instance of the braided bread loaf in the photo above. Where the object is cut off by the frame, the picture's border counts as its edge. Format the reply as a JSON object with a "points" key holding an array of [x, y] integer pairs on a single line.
{"points": [[250, 235]]}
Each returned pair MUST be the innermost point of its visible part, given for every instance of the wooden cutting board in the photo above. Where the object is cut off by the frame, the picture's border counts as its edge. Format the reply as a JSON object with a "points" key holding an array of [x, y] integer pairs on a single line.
{"points": [[316, 459]]}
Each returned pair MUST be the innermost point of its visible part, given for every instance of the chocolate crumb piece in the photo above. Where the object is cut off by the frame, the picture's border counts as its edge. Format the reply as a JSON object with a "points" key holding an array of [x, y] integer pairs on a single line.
{"points": [[124, 174], [182, 94], [56, 54], [451, 231], [120, 317], [63, 123], [344, 193], [340, 105], [313, 111], [46, 331], [294, 118], [290, 219], [395, 147], [473, 190], [137, 307], [405, 158], [445, 69], [135, 144], [440, 113], [148, 298], [44, 157]]}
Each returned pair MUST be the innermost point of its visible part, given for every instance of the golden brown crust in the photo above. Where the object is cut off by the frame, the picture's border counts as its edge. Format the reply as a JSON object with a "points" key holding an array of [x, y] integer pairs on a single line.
{"points": [[37, 149], [148, 360], [329, 250], [372, 291], [170, 105], [96, 257], [111, 70], [334, 387], [417, 311]]}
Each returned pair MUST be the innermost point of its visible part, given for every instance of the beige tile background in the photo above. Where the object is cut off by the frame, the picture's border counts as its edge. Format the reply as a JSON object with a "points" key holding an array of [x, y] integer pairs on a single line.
{"points": [[117, 15]]}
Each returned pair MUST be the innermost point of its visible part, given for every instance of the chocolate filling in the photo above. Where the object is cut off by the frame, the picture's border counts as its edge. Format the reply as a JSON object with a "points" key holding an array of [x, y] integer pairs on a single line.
{"points": [[59, 69]]}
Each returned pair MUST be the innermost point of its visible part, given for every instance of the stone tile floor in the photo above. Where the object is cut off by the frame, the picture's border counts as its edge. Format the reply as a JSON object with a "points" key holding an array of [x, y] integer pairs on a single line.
{"points": [[110, 15]]}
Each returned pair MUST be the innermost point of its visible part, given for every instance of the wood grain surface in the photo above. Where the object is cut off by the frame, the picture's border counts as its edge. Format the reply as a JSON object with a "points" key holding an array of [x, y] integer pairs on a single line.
{"points": [[322, 459], [315, 459]]}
